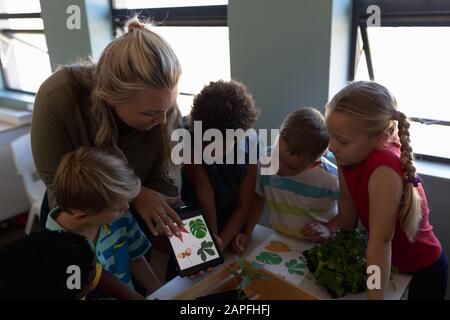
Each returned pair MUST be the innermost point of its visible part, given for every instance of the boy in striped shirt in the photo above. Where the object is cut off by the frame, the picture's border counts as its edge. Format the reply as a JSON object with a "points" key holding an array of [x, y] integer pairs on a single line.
{"points": [[302, 196], [92, 191]]}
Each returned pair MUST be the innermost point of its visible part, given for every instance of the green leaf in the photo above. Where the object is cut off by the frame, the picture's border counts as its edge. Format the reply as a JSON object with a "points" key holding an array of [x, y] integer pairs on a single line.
{"points": [[269, 258], [211, 252], [208, 244], [294, 266], [198, 228], [291, 263], [203, 256], [246, 281]]}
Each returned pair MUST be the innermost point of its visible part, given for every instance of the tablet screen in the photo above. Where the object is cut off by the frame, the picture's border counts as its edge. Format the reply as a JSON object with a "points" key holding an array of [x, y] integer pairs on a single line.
{"points": [[194, 246]]}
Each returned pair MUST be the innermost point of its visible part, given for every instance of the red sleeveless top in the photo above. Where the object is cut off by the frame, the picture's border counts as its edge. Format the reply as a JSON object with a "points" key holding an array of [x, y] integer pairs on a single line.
{"points": [[406, 256]]}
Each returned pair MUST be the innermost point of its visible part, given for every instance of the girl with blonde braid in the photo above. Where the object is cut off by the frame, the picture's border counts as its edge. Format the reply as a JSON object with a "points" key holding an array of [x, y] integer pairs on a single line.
{"points": [[378, 184]]}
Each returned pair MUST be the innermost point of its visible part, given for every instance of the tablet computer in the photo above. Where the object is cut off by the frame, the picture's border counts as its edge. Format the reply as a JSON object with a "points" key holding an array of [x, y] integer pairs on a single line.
{"points": [[196, 248]]}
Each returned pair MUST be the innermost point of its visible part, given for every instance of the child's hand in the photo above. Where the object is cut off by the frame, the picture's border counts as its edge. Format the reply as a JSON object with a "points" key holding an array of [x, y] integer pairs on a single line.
{"points": [[240, 243], [317, 232], [219, 242]]}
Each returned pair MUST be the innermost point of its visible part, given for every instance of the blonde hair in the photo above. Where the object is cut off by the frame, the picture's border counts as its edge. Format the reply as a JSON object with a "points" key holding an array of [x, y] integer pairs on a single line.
{"points": [[90, 179], [305, 133], [374, 111], [139, 58]]}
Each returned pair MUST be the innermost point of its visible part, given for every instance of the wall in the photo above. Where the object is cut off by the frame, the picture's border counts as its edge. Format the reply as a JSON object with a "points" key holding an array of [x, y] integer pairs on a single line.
{"points": [[66, 45], [289, 54]]}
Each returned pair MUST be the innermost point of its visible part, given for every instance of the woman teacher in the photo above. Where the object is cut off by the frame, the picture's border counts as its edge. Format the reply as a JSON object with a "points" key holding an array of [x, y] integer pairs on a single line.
{"points": [[125, 103]]}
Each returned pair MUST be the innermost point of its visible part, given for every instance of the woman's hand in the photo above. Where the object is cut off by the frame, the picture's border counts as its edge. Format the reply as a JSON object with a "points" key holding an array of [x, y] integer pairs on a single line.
{"points": [[154, 208]]}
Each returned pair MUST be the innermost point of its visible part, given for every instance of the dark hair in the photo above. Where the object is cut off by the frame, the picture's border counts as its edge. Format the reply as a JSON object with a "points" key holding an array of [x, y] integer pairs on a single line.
{"points": [[305, 133], [224, 105], [35, 267]]}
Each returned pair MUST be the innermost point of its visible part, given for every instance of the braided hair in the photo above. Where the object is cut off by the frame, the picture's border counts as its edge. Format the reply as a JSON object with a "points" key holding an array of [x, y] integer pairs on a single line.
{"points": [[374, 110]]}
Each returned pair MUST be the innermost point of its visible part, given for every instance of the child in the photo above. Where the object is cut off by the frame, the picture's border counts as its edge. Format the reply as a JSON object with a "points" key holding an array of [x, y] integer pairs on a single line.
{"points": [[222, 191], [92, 189], [302, 196], [36, 267], [378, 184]]}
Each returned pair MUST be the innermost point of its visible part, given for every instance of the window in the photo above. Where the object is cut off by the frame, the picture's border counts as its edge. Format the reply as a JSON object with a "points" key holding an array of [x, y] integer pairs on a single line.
{"points": [[197, 32], [409, 54], [137, 4], [23, 49]]}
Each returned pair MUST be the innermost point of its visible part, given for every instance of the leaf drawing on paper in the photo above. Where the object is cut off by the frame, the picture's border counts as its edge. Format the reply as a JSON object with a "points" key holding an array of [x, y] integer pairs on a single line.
{"points": [[198, 228], [278, 246], [269, 258], [295, 266], [206, 249]]}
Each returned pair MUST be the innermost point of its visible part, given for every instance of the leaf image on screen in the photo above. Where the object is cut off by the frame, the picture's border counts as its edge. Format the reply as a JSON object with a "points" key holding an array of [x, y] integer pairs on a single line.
{"points": [[198, 228], [206, 248], [269, 257]]}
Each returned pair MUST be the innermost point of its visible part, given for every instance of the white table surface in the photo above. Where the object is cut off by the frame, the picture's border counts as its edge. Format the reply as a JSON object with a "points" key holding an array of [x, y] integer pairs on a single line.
{"points": [[179, 284]]}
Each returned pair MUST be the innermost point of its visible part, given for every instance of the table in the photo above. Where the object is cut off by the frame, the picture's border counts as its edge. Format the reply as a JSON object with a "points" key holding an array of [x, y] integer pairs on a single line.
{"points": [[178, 284]]}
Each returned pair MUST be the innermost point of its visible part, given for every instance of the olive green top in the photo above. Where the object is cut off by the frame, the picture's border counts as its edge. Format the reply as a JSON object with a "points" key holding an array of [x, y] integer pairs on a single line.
{"points": [[60, 125]]}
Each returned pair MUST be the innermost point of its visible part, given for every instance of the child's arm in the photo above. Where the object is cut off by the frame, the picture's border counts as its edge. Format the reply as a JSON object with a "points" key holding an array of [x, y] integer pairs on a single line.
{"points": [[239, 216], [333, 224], [385, 193], [111, 286], [256, 210], [144, 274], [318, 232], [242, 240], [347, 217], [204, 193]]}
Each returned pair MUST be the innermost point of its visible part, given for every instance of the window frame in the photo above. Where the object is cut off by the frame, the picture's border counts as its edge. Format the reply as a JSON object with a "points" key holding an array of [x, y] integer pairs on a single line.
{"points": [[196, 16], [393, 14], [199, 16], [9, 31]]}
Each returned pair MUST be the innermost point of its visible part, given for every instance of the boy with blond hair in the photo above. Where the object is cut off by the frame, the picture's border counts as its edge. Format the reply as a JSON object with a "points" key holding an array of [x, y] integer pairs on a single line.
{"points": [[302, 196], [92, 190]]}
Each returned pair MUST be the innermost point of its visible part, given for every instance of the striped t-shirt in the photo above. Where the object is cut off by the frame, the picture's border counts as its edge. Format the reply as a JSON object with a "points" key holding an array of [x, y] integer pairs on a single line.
{"points": [[295, 201], [118, 243]]}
